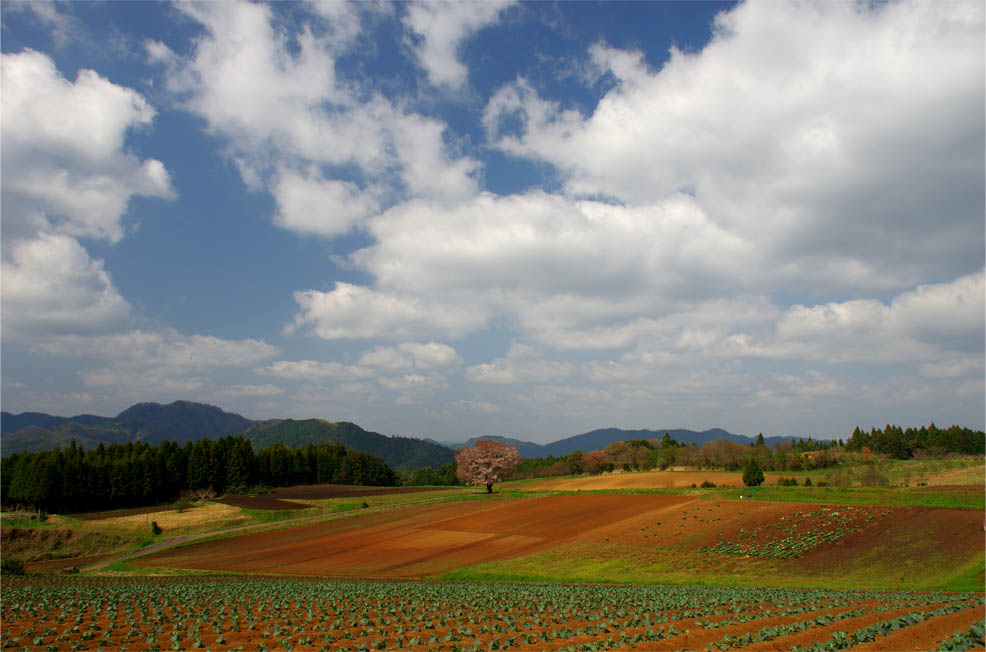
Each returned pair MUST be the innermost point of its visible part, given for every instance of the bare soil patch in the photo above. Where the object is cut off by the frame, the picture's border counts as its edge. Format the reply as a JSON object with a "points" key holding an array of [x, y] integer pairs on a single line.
{"points": [[59, 564], [419, 541], [118, 513], [266, 502], [285, 497], [323, 491]]}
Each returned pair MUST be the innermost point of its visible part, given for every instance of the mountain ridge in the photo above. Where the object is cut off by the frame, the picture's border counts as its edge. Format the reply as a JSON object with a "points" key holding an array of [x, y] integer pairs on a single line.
{"points": [[183, 421]]}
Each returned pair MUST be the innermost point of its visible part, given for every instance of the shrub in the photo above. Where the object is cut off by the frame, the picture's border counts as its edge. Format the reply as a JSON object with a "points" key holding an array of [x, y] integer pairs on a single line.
{"points": [[873, 477], [708, 485], [11, 566], [182, 504], [155, 528], [807, 482], [752, 474]]}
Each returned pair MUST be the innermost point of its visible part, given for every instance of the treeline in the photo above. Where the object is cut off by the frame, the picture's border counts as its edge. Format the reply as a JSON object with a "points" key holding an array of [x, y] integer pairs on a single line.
{"points": [[70, 479], [649, 454], [797, 455], [443, 476], [902, 444]]}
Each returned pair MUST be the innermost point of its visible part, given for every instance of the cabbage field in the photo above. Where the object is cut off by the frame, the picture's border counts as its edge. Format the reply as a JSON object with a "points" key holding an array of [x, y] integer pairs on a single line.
{"points": [[281, 613]]}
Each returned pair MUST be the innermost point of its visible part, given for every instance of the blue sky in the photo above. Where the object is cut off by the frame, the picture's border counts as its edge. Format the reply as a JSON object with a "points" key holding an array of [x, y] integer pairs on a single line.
{"points": [[457, 219]]}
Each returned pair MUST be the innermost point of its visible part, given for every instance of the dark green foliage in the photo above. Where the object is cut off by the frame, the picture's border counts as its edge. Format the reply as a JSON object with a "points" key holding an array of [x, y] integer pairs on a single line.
{"points": [[155, 528], [752, 474], [132, 475], [708, 485], [11, 566], [151, 423], [402, 453], [442, 476], [902, 444]]}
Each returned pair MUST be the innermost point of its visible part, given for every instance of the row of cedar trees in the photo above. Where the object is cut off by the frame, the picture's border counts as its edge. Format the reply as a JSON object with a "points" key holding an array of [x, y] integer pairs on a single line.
{"points": [[70, 479], [646, 454]]}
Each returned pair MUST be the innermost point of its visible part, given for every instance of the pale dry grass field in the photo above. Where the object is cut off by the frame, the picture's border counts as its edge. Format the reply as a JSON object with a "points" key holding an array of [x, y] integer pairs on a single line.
{"points": [[975, 475], [209, 516]]}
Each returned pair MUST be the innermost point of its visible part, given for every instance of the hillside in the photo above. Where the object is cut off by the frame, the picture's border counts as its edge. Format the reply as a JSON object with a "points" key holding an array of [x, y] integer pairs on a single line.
{"points": [[179, 422], [153, 423], [11, 423], [401, 453]]}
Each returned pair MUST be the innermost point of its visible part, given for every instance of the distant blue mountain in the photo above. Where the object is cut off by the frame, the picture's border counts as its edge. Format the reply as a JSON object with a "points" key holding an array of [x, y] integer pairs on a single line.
{"points": [[599, 439]]}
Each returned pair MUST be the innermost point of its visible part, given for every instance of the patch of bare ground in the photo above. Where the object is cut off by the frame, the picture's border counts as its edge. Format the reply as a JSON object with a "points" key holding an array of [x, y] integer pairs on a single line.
{"points": [[266, 502], [284, 497], [60, 564], [417, 541], [118, 513]]}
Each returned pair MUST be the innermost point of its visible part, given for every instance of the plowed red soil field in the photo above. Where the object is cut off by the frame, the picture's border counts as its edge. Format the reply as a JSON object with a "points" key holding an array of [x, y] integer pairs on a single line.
{"points": [[421, 541], [806, 540]]}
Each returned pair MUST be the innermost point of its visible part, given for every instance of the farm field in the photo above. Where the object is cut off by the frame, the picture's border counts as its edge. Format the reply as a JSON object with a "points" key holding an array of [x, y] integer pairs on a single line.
{"points": [[268, 613], [638, 538], [637, 480], [288, 497]]}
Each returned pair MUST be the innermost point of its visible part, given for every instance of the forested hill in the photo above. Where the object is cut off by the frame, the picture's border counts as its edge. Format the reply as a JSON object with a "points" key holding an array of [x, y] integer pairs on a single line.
{"points": [[184, 421], [152, 423], [401, 453]]}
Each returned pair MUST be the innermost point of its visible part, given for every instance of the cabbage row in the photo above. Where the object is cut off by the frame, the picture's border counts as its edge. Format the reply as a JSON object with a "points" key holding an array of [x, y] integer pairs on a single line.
{"points": [[261, 613]]}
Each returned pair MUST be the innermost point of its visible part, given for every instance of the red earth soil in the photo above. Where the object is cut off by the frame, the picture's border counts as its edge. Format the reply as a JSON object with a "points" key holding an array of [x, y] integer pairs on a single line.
{"points": [[33, 567], [136, 511], [262, 502], [432, 539], [420, 541]]}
